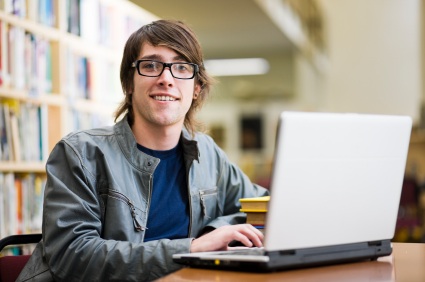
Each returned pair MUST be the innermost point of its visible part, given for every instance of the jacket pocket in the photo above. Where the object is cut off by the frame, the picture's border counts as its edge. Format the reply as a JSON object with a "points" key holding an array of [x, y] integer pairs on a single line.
{"points": [[109, 194], [209, 202]]}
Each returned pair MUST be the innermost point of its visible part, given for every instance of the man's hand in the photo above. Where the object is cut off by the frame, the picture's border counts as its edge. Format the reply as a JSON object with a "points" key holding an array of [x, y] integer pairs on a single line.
{"points": [[219, 239]]}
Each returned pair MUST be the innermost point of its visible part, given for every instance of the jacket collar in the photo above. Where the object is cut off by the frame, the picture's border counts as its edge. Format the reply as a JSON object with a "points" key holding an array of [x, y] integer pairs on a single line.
{"points": [[190, 146], [128, 145]]}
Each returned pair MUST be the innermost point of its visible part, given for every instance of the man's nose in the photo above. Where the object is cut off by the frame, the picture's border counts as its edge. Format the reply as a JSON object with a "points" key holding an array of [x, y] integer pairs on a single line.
{"points": [[166, 74]]}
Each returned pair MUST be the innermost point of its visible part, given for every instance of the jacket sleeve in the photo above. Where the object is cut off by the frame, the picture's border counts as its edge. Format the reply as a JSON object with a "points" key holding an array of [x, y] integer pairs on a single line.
{"points": [[73, 246], [233, 184]]}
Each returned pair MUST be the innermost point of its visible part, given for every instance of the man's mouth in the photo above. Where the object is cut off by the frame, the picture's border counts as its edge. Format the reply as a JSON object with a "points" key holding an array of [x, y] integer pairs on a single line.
{"points": [[164, 98]]}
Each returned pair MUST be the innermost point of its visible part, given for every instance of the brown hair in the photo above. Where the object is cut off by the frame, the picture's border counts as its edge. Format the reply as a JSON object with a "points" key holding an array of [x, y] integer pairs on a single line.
{"points": [[180, 38]]}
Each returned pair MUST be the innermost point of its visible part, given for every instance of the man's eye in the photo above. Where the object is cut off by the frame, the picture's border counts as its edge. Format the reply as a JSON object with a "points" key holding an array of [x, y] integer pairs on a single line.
{"points": [[182, 67], [148, 65]]}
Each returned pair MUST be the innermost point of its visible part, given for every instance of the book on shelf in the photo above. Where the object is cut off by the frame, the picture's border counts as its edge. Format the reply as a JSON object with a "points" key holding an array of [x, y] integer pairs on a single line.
{"points": [[46, 12], [5, 54], [8, 155], [73, 17], [1, 52], [4, 137], [16, 139]]}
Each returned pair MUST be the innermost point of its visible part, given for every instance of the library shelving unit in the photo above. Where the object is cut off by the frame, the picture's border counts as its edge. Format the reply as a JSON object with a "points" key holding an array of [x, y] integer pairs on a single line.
{"points": [[59, 72]]}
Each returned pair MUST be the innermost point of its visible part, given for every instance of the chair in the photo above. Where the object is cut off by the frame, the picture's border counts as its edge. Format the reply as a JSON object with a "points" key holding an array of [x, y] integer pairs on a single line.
{"points": [[11, 266]]}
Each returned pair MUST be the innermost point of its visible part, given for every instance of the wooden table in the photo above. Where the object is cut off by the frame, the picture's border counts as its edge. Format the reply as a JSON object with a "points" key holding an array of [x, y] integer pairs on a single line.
{"points": [[407, 264]]}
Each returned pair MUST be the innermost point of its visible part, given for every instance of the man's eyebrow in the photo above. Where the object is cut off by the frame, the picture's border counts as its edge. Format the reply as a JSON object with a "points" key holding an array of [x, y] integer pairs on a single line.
{"points": [[157, 57], [151, 57]]}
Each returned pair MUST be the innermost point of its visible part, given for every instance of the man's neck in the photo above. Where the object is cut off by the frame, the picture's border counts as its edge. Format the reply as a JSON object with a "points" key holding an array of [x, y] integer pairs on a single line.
{"points": [[157, 138]]}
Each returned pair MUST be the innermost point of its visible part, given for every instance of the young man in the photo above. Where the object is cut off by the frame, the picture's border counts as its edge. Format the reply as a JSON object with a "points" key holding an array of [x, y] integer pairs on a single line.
{"points": [[120, 200]]}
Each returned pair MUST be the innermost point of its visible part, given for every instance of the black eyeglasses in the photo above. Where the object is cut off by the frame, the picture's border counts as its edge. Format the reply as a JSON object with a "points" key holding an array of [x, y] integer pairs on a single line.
{"points": [[153, 68]]}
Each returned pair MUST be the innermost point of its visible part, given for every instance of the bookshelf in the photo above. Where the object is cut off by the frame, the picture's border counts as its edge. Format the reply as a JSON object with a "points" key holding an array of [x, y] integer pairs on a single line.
{"points": [[59, 72]]}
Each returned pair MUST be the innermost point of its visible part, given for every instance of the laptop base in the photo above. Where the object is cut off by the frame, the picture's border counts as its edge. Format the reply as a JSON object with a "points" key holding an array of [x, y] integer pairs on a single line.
{"points": [[302, 258]]}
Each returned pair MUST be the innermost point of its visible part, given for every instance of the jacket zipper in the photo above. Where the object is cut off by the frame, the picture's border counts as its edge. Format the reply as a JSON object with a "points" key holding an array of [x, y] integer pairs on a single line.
{"points": [[133, 211], [190, 203], [149, 198]]}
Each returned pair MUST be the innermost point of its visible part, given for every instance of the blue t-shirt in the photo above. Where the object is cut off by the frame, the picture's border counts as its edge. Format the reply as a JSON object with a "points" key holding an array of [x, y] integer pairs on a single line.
{"points": [[169, 208]]}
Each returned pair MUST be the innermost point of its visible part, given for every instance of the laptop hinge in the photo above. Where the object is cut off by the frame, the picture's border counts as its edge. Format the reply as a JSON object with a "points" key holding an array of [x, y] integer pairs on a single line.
{"points": [[375, 243], [287, 252]]}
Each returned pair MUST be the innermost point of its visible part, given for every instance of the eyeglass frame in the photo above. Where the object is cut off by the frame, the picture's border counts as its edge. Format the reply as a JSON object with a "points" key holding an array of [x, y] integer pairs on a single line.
{"points": [[136, 64]]}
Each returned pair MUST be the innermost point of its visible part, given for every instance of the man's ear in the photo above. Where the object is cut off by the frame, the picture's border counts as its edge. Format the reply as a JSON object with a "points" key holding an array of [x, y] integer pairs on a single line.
{"points": [[197, 91]]}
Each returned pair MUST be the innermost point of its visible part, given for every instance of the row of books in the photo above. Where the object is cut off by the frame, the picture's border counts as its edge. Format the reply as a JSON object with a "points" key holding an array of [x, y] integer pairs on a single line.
{"points": [[91, 79], [23, 131], [25, 60], [93, 20], [100, 22], [28, 67], [21, 203], [42, 11], [256, 211]]}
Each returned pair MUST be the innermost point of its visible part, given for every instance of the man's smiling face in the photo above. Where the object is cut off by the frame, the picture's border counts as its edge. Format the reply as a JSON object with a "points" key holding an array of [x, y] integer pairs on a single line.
{"points": [[164, 100]]}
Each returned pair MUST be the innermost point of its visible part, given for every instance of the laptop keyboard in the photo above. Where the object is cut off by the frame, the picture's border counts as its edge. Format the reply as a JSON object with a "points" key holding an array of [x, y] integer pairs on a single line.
{"points": [[244, 252]]}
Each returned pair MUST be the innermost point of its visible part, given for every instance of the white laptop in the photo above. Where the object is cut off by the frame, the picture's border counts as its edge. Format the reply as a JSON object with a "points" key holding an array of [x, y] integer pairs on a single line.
{"points": [[335, 192]]}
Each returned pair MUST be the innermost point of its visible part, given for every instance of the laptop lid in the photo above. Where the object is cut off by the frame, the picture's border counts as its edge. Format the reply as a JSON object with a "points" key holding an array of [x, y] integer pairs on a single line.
{"points": [[336, 179]]}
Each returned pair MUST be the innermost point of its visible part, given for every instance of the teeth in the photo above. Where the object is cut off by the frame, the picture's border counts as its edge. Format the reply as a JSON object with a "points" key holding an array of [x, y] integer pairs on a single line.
{"points": [[164, 98]]}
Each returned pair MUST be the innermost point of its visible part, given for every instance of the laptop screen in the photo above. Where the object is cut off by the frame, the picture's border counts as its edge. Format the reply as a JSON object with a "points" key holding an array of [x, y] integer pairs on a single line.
{"points": [[336, 179]]}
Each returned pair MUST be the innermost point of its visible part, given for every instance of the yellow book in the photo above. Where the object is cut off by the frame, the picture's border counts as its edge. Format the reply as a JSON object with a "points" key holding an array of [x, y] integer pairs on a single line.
{"points": [[257, 204], [256, 218], [253, 210]]}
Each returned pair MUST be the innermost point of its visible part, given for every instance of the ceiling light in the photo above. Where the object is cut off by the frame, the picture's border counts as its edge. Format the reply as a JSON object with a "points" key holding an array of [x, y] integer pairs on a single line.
{"points": [[235, 67]]}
